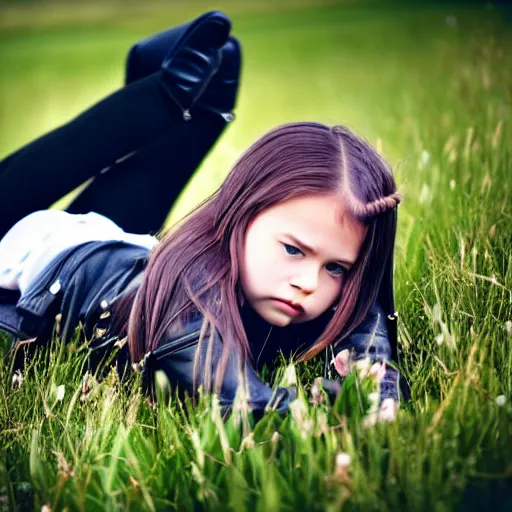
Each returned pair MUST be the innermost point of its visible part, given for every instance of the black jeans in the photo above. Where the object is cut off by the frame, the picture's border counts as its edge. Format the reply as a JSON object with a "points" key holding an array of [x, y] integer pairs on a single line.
{"points": [[134, 144]]}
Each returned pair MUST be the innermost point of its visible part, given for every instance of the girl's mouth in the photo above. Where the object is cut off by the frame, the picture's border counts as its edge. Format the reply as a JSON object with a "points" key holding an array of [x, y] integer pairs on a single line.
{"points": [[288, 306]]}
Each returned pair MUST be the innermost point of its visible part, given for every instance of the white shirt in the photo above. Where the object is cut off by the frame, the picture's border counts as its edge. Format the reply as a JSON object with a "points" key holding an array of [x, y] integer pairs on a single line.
{"points": [[33, 242]]}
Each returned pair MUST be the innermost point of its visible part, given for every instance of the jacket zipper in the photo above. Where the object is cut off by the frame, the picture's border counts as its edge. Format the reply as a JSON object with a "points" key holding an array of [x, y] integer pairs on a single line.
{"points": [[173, 346]]}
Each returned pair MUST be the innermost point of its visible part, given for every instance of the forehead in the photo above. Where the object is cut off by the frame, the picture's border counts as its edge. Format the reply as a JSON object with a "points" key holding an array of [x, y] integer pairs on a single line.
{"points": [[320, 221]]}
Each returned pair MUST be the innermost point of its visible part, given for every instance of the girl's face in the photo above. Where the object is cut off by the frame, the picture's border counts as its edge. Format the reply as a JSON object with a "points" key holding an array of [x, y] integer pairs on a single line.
{"points": [[295, 258]]}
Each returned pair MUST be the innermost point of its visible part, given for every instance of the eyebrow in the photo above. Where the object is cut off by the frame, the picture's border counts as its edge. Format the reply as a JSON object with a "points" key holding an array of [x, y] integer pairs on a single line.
{"points": [[307, 248]]}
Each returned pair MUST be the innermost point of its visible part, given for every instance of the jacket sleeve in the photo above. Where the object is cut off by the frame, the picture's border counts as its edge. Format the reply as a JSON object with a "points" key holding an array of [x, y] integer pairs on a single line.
{"points": [[175, 357], [371, 340]]}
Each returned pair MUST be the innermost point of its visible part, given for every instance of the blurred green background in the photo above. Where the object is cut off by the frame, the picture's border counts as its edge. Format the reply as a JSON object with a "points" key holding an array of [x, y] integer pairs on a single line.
{"points": [[389, 70], [430, 85]]}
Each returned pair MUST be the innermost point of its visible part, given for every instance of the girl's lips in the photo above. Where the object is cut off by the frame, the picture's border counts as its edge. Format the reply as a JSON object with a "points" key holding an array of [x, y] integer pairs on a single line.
{"points": [[289, 307]]}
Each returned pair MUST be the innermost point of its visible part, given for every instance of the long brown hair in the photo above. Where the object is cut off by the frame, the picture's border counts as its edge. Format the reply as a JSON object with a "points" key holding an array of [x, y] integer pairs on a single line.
{"points": [[196, 265]]}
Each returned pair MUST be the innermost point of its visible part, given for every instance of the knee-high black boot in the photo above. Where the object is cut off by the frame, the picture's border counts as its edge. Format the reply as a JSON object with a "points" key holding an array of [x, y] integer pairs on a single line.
{"points": [[148, 55], [150, 180], [46, 169]]}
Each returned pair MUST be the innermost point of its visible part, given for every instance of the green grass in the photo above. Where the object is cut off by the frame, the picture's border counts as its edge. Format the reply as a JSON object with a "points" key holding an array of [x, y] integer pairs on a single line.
{"points": [[436, 99]]}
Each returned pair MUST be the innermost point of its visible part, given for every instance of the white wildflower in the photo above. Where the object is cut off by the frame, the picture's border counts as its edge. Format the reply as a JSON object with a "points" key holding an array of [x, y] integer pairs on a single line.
{"points": [[162, 382], [342, 362], [372, 416], [290, 376], [439, 339], [343, 460], [424, 159], [299, 411], [388, 410], [316, 395], [378, 371], [501, 400], [363, 367], [17, 379], [370, 419], [436, 313], [508, 327], [307, 428], [60, 392], [374, 400]]}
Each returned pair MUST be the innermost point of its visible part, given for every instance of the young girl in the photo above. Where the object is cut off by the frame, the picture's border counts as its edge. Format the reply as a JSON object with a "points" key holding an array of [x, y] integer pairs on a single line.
{"points": [[292, 254]]}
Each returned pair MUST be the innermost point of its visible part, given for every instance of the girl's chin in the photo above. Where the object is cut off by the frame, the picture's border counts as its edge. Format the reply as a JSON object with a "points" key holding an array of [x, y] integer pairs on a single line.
{"points": [[274, 317], [280, 319]]}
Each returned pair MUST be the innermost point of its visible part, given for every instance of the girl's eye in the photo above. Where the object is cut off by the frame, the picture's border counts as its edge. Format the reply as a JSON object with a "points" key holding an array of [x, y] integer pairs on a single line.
{"points": [[292, 250], [336, 269]]}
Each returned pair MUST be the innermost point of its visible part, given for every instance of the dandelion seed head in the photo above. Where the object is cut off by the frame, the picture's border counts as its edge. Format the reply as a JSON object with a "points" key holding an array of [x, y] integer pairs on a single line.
{"points": [[162, 382], [501, 400], [343, 460]]}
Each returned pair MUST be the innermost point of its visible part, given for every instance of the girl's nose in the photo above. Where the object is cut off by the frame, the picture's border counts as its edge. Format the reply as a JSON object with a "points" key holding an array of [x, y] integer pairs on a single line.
{"points": [[306, 281]]}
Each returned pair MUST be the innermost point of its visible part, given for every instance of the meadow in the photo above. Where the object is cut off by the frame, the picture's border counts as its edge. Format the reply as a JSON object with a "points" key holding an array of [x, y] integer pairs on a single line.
{"points": [[430, 85]]}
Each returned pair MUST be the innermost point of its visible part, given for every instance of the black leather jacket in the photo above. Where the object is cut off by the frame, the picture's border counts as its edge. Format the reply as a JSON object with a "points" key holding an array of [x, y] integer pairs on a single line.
{"points": [[82, 283]]}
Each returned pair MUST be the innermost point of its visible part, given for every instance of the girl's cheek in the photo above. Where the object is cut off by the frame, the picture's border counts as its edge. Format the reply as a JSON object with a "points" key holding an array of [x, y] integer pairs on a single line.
{"points": [[332, 290]]}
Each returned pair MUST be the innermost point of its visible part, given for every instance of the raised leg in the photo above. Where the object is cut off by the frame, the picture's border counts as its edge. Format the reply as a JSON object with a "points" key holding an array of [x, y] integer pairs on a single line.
{"points": [[127, 121], [138, 192], [46, 169]]}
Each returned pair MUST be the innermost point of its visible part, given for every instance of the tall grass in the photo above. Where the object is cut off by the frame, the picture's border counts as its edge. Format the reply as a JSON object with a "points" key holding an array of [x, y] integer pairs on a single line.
{"points": [[431, 87]]}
